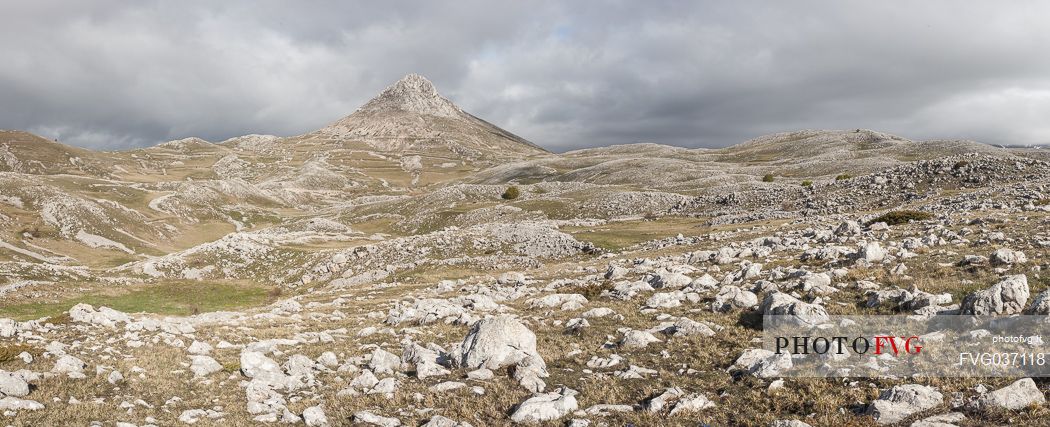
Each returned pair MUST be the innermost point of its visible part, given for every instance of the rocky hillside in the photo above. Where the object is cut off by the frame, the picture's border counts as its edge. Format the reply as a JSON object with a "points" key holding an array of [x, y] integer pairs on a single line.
{"points": [[410, 116], [412, 264]]}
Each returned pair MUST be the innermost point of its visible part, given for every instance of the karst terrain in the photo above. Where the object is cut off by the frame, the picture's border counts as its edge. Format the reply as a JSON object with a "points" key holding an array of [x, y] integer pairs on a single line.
{"points": [[412, 264]]}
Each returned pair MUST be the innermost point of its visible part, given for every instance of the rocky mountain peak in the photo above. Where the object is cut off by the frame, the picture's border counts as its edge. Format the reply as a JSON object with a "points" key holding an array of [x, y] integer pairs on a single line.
{"points": [[415, 94]]}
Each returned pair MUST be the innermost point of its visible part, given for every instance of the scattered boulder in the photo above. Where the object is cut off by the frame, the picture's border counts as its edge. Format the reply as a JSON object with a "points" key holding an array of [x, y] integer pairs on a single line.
{"points": [[943, 420], [69, 365], [440, 421], [669, 280], [314, 416], [1020, 394], [104, 316], [1041, 304], [762, 363], [13, 385], [545, 407], [501, 341], [427, 362], [687, 327], [497, 342], [199, 348], [1006, 257], [781, 304], [256, 365], [11, 403], [383, 362], [203, 366], [636, 339], [900, 402], [872, 252], [368, 418], [848, 228], [115, 377], [1009, 296], [731, 298]]}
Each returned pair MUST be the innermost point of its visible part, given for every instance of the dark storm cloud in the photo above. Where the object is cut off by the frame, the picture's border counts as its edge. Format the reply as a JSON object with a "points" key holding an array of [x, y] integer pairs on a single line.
{"points": [[118, 74]]}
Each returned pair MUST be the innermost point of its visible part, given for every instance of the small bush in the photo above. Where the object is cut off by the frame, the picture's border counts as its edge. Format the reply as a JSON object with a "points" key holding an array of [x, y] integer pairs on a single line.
{"points": [[901, 217], [10, 352], [511, 193], [1042, 202], [59, 319], [767, 178], [807, 183], [843, 177], [960, 164]]}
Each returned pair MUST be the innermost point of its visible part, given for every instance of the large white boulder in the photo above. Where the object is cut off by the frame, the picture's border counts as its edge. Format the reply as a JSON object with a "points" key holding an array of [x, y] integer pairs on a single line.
{"points": [[900, 402], [13, 385], [1009, 296], [497, 342], [1019, 394], [546, 407]]}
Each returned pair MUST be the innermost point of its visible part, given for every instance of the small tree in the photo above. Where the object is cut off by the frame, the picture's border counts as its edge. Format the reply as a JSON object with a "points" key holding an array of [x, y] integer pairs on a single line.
{"points": [[511, 193], [807, 183], [767, 178]]}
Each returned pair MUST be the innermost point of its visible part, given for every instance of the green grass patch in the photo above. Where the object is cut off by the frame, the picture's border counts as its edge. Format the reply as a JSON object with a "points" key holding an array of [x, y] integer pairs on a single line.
{"points": [[553, 208], [175, 298], [615, 236]]}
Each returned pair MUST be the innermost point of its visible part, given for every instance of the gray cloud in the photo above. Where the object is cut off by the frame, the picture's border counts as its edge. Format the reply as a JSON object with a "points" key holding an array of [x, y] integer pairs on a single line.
{"points": [[118, 74]]}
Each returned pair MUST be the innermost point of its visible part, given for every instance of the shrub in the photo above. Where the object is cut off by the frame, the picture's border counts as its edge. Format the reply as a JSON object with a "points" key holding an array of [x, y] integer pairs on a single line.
{"points": [[9, 352], [59, 319], [843, 177], [901, 217], [511, 193], [960, 164], [767, 178], [807, 183]]}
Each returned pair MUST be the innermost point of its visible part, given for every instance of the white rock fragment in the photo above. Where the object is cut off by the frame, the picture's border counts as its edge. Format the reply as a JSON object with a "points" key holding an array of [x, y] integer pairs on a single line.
{"points": [[13, 385], [199, 348], [635, 339], [202, 366], [545, 407], [1008, 296], [900, 402], [367, 417], [69, 365], [314, 416], [383, 362], [1020, 394], [115, 377]]}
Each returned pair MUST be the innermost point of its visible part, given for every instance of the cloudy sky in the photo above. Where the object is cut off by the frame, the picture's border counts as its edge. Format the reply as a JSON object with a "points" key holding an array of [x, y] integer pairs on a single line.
{"points": [[119, 74]]}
